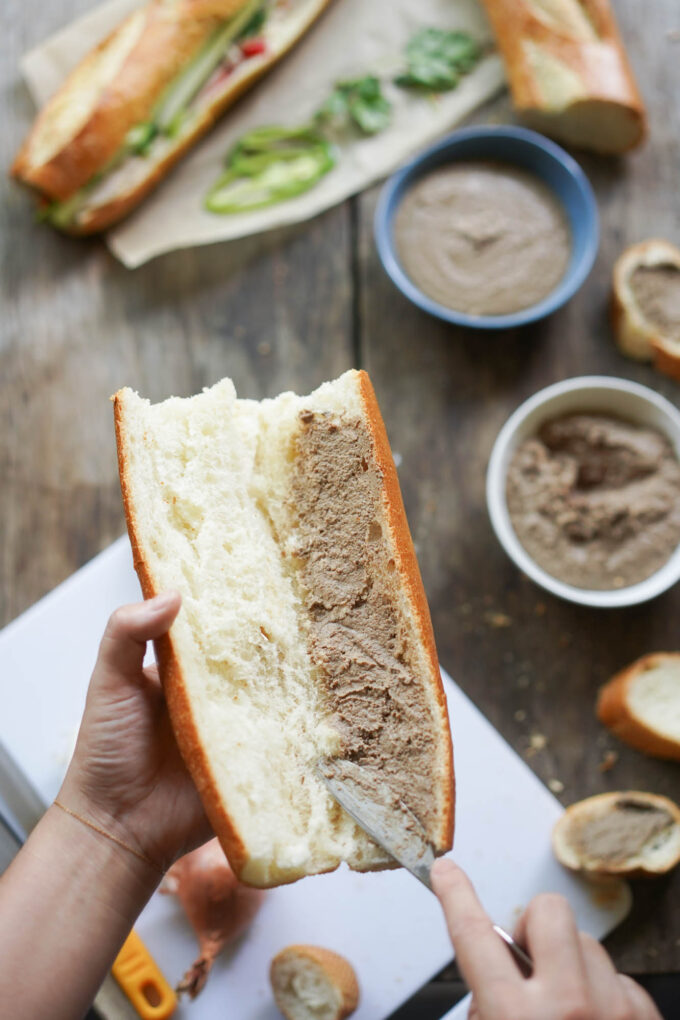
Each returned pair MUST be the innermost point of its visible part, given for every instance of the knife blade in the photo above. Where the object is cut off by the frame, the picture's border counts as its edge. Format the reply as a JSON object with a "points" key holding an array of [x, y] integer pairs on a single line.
{"points": [[394, 827]]}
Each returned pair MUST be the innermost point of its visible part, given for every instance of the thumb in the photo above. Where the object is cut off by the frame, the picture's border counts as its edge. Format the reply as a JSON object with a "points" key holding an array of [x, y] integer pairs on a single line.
{"points": [[123, 645]]}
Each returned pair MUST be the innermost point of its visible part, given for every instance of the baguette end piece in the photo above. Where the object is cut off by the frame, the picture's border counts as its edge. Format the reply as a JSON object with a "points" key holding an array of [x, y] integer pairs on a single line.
{"points": [[641, 705], [313, 983]]}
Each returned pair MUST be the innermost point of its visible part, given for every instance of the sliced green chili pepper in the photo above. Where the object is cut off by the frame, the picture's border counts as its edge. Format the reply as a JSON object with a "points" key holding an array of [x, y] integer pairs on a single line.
{"points": [[270, 165]]}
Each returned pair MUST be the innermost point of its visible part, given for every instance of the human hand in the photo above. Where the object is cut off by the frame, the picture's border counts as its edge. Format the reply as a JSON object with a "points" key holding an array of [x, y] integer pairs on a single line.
{"points": [[126, 775], [573, 978]]}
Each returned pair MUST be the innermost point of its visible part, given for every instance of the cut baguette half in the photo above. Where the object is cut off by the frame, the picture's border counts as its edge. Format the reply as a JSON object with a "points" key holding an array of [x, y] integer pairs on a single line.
{"points": [[304, 632], [312, 983], [72, 147], [647, 324], [568, 71], [629, 834], [641, 705]]}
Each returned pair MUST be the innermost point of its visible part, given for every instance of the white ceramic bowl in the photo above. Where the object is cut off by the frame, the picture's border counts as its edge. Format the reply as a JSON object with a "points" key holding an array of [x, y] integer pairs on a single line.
{"points": [[600, 393]]}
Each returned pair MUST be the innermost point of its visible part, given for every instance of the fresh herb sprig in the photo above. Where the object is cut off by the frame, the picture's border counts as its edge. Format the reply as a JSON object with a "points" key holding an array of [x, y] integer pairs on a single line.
{"points": [[359, 102], [436, 59]]}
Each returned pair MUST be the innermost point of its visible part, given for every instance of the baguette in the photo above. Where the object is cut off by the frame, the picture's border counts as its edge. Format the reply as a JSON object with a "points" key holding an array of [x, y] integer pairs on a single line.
{"points": [[312, 983], [629, 835], [304, 631], [568, 71], [641, 705], [645, 304], [131, 109]]}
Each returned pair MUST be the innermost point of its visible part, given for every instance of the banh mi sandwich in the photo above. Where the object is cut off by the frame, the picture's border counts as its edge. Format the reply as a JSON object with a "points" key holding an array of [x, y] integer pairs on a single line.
{"points": [[304, 634], [138, 101]]}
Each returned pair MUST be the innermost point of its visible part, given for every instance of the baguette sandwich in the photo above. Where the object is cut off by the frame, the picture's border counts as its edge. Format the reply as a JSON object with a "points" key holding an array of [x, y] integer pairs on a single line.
{"points": [[129, 111], [304, 633], [568, 71]]}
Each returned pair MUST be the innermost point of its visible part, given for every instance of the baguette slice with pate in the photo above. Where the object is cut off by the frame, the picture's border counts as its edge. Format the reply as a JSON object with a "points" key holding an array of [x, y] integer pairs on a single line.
{"points": [[568, 71], [312, 983], [304, 632], [641, 705], [645, 306], [630, 834], [131, 109]]}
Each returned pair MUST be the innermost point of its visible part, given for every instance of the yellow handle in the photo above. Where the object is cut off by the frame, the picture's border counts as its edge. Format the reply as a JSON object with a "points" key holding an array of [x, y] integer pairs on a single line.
{"points": [[139, 976]]}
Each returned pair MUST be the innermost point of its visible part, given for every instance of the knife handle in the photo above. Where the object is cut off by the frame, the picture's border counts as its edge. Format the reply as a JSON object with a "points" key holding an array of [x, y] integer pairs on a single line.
{"points": [[141, 979]]}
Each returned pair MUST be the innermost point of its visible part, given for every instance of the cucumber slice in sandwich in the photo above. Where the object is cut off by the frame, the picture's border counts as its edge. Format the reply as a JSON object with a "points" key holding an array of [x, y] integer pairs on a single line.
{"points": [[187, 84]]}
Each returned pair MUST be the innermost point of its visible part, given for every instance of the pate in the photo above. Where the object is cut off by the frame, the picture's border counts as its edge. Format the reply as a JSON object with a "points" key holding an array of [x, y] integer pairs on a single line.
{"points": [[657, 292], [376, 700], [595, 500], [483, 238], [621, 833]]}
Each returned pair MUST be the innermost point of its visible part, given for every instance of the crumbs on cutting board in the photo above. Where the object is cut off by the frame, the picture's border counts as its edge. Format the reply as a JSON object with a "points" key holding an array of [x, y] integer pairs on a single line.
{"points": [[537, 742]]}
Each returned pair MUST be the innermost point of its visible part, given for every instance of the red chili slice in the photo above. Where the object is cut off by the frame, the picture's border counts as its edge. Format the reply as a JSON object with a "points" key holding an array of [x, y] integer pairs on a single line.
{"points": [[252, 47]]}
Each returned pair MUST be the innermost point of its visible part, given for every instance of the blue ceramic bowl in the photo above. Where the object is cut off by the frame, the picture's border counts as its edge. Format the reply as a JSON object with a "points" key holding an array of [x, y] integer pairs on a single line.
{"points": [[525, 149]]}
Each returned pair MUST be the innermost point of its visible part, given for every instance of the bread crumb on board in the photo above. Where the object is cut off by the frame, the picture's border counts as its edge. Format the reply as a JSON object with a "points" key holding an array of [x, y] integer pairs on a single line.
{"points": [[537, 742], [498, 619], [556, 785]]}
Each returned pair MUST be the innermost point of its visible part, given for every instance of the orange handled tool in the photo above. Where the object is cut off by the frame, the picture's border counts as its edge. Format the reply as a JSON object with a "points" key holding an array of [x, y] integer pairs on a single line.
{"points": [[141, 979]]}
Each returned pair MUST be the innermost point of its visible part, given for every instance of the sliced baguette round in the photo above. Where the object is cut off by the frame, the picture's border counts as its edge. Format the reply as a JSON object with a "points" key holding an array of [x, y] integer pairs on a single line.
{"points": [[637, 335], [312, 983], [628, 834], [568, 71], [265, 672], [117, 86], [641, 705]]}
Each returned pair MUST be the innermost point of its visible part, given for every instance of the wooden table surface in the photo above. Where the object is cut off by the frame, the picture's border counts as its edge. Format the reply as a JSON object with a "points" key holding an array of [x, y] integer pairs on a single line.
{"points": [[292, 308]]}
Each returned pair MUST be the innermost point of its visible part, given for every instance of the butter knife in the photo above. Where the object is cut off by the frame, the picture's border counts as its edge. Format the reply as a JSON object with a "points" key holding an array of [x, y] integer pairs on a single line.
{"points": [[390, 823]]}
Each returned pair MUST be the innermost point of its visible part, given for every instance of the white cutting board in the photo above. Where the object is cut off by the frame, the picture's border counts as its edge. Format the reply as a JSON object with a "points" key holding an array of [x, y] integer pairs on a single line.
{"points": [[387, 924]]}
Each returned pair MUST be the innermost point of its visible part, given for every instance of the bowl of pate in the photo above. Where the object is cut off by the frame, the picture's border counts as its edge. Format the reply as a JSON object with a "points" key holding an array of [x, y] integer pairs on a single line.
{"points": [[493, 227], [583, 491]]}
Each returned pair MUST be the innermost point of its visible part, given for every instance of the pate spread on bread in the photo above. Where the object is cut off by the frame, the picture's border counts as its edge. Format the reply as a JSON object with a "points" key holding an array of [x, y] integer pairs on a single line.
{"points": [[304, 632]]}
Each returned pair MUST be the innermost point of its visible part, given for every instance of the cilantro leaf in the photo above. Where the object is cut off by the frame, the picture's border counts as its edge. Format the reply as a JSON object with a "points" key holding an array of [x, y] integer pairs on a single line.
{"points": [[359, 102], [436, 59]]}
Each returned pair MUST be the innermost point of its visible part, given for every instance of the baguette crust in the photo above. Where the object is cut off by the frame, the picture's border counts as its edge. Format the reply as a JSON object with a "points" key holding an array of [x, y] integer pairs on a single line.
{"points": [[157, 58], [636, 336], [336, 968], [568, 71], [613, 709], [174, 682], [599, 804], [412, 582]]}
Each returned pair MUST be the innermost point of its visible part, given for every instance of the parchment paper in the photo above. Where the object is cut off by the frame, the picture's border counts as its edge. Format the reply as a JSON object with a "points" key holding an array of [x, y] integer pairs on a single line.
{"points": [[353, 37]]}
